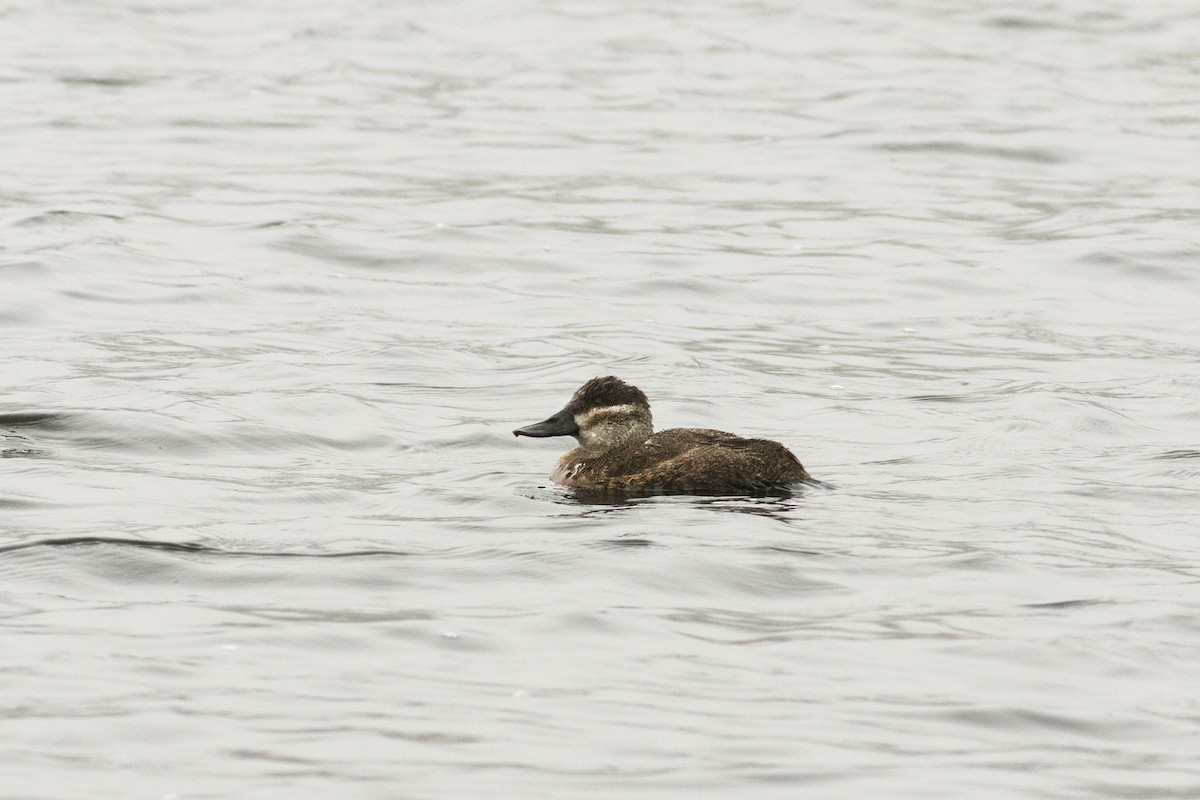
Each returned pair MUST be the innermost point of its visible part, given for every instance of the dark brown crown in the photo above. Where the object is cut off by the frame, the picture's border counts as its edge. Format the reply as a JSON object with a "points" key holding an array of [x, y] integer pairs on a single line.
{"points": [[607, 391]]}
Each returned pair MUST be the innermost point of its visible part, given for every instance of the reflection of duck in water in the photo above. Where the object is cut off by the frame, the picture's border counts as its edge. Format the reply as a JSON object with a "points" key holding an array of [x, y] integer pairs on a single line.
{"points": [[619, 450]]}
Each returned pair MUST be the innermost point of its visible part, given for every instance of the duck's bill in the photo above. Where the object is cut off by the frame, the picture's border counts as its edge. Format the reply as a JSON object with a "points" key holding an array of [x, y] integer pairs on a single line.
{"points": [[561, 424]]}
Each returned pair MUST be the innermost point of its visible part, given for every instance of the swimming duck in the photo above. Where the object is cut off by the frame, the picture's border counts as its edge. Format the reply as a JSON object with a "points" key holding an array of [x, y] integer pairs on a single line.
{"points": [[619, 450]]}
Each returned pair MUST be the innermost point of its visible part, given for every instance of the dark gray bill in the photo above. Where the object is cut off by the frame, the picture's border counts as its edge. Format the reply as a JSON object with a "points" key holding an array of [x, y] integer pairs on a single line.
{"points": [[561, 424]]}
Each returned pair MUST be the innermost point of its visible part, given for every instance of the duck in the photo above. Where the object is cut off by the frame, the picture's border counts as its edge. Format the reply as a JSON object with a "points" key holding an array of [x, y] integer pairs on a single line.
{"points": [[618, 450]]}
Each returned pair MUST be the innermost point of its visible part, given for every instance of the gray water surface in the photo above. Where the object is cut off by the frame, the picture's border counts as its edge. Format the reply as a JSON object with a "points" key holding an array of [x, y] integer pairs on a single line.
{"points": [[279, 279]]}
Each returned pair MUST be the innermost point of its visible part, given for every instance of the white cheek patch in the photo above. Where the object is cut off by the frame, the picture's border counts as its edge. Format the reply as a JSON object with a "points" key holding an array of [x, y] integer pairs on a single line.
{"points": [[589, 417]]}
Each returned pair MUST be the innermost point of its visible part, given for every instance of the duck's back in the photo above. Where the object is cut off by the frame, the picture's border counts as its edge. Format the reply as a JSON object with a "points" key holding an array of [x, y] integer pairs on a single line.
{"points": [[688, 460]]}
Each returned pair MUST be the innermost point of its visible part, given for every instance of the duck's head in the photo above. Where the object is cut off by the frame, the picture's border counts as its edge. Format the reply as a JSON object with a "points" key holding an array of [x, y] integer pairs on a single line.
{"points": [[603, 413]]}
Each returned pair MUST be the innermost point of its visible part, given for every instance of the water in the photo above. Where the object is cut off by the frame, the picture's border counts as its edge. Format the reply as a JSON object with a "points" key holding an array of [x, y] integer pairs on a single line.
{"points": [[280, 279]]}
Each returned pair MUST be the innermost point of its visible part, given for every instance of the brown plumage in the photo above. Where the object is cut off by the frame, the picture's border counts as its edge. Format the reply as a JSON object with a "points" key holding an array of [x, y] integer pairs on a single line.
{"points": [[619, 451]]}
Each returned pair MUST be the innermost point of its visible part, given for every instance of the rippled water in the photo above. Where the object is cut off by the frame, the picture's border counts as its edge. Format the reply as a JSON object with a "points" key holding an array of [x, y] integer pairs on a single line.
{"points": [[280, 279]]}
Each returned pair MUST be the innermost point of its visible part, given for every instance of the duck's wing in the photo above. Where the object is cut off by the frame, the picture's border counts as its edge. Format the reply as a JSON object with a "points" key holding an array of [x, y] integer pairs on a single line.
{"points": [[698, 459]]}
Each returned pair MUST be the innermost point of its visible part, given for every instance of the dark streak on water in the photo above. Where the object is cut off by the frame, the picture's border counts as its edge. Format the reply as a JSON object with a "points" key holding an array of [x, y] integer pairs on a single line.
{"points": [[184, 547]]}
